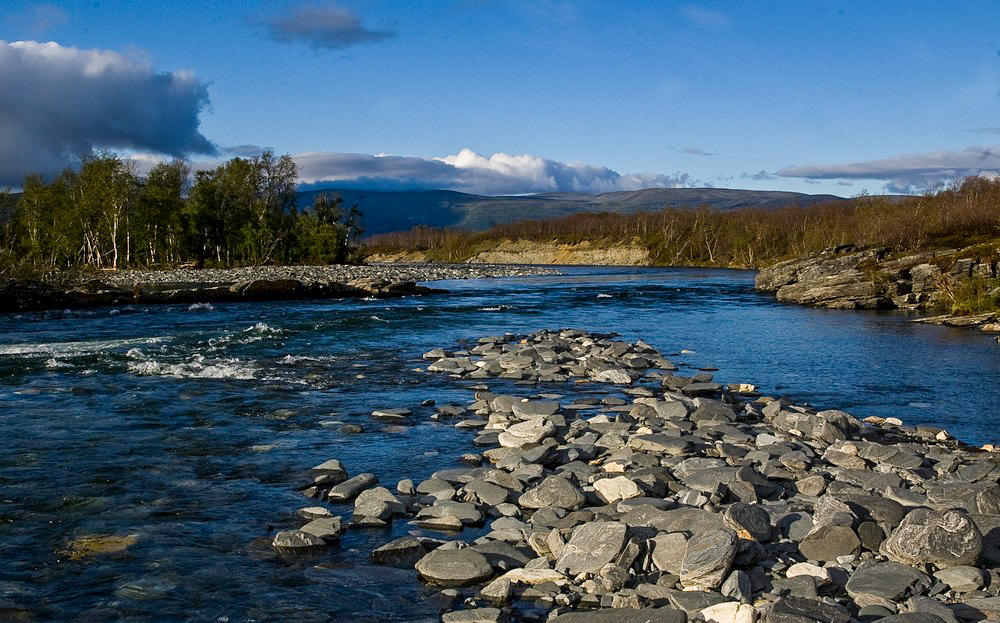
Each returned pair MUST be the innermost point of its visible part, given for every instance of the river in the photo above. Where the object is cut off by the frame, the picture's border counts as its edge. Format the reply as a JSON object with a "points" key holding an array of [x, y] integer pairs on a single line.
{"points": [[185, 429]]}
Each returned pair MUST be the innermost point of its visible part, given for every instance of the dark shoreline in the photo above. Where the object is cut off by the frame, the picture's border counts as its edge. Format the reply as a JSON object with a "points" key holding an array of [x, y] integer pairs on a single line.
{"points": [[263, 283]]}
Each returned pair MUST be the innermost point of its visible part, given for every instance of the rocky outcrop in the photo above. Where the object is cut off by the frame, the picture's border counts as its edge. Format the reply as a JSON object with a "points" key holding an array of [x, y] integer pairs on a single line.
{"points": [[850, 278]]}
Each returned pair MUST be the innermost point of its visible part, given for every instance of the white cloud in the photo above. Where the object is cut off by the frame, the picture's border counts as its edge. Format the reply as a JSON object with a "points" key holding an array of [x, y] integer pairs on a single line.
{"points": [[468, 171], [325, 26], [705, 18], [909, 173], [58, 103], [38, 19]]}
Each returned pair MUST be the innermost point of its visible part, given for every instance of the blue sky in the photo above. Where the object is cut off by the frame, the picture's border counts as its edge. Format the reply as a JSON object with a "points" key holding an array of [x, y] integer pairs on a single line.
{"points": [[510, 97]]}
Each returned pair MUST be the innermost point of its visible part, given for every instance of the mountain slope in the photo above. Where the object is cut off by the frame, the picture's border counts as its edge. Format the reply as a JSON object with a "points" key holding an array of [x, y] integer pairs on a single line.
{"points": [[385, 211]]}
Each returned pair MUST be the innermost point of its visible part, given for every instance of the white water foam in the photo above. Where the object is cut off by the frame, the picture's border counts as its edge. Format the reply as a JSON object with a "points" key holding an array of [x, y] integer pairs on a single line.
{"points": [[257, 332], [201, 307], [603, 296], [197, 367], [73, 349]]}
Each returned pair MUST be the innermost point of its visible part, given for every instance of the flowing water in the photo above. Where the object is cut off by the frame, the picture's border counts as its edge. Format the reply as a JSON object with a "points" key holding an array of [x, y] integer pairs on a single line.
{"points": [[182, 431]]}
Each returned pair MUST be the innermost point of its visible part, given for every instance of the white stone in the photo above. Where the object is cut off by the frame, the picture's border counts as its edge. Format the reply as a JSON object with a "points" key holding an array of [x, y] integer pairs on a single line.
{"points": [[527, 432], [616, 489], [821, 574], [730, 612], [535, 576]]}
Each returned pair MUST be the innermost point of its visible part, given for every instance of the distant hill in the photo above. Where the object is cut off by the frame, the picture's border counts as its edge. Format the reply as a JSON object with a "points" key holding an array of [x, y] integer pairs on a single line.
{"points": [[386, 211]]}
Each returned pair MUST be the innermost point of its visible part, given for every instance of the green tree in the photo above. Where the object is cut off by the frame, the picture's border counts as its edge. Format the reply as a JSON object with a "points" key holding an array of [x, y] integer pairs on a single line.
{"points": [[158, 218]]}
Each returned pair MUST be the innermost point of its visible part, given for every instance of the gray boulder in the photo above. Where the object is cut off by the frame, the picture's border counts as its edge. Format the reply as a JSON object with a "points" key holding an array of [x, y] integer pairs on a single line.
{"points": [[553, 491], [805, 610], [454, 567], [297, 542], [592, 546], [945, 539], [403, 552], [707, 560], [830, 541], [889, 581], [624, 615], [350, 488]]}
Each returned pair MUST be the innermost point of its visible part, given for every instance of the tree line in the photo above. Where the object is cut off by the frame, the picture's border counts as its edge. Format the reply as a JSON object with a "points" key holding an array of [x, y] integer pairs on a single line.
{"points": [[105, 215], [964, 214]]}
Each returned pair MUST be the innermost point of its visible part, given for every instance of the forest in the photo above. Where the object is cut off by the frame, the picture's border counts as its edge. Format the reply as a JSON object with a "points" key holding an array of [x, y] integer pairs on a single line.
{"points": [[966, 213], [106, 216]]}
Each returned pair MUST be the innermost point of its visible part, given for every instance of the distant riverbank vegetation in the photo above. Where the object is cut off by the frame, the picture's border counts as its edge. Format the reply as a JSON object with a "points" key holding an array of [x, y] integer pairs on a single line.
{"points": [[106, 216], [965, 214]]}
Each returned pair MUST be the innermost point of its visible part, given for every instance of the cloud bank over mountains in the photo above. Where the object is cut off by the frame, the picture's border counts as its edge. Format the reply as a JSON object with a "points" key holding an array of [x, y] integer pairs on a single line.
{"points": [[468, 171], [909, 173], [57, 103]]}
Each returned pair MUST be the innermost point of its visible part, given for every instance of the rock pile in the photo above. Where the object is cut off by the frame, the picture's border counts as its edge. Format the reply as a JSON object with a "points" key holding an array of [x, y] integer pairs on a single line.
{"points": [[646, 495], [258, 283]]}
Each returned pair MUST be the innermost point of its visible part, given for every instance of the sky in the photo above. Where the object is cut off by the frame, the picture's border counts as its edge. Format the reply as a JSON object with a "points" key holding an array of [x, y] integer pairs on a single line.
{"points": [[513, 97]]}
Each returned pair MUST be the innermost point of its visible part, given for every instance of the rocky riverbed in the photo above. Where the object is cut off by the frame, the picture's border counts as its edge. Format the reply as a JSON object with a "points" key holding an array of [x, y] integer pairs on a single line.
{"points": [[851, 278], [607, 484], [244, 284]]}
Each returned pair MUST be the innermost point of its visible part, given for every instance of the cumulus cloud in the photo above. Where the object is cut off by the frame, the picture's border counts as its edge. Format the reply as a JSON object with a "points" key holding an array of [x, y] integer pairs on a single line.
{"points": [[909, 173], [322, 26], [58, 103], [468, 171]]}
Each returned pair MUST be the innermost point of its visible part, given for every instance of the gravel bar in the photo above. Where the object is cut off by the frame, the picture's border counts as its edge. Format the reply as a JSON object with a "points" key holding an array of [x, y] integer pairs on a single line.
{"points": [[335, 273]]}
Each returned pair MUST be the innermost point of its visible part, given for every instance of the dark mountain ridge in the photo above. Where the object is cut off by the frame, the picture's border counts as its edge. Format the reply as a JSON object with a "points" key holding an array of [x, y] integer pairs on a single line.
{"points": [[386, 211]]}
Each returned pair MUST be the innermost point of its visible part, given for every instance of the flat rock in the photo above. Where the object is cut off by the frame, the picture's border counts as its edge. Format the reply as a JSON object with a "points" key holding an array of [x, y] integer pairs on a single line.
{"points": [[474, 615], [804, 610], [553, 491], [592, 546], [326, 528], [534, 408], [707, 559], [350, 488], [616, 489], [962, 578], [403, 552], [454, 567], [525, 433], [623, 615], [668, 552], [889, 580], [830, 541], [659, 443], [297, 541]]}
